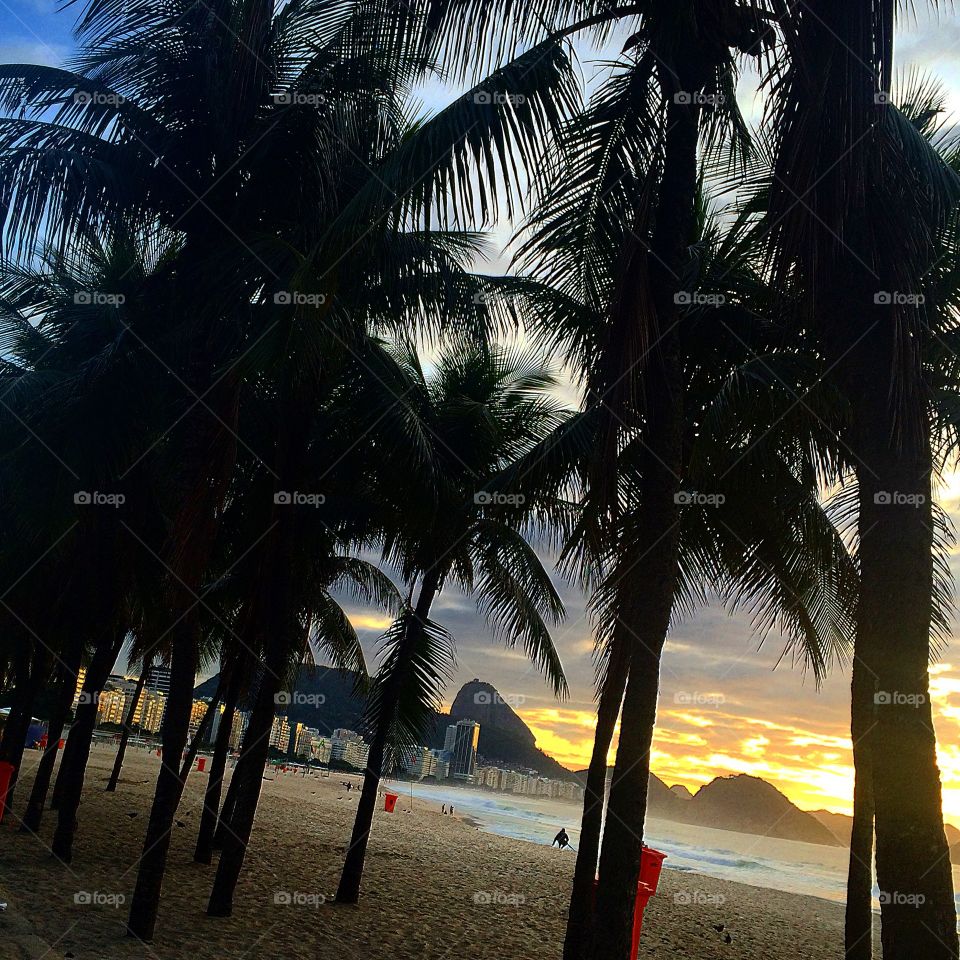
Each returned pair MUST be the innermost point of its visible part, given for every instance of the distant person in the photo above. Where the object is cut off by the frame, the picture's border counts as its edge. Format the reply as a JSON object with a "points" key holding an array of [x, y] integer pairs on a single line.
{"points": [[451, 809], [443, 809], [561, 839]]}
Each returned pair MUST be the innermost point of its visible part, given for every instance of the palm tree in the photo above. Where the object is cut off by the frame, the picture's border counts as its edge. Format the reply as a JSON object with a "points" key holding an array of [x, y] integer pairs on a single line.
{"points": [[766, 545], [70, 353], [128, 722], [875, 197], [479, 410], [196, 91]]}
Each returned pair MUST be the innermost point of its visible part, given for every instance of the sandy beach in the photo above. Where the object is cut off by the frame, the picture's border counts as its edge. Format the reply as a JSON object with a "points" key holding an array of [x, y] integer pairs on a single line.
{"points": [[435, 888]]}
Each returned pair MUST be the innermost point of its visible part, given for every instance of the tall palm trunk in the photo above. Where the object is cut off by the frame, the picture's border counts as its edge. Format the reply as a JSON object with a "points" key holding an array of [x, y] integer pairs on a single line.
{"points": [[866, 225], [68, 670], [74, 766], [913, 859], [248, 777], [858, 926], [176, 722], [229, 801], [200, 735], [127, 726], [351, 877], [652, 570], [580, 917], [272, 625], [211, 798], [191, 547]]}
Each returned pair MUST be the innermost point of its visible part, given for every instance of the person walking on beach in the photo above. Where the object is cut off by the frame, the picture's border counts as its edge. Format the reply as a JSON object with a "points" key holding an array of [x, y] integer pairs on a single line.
{"points": [[561, 839]]}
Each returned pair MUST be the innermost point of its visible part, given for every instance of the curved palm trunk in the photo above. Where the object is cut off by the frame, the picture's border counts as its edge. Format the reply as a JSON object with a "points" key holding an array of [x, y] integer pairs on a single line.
{"points": [[649, 581], [580, 917], [74, 766], [351, 877], [248, 777], [200, 735], [127, 726], [858, 925], [176, 722], [211, 798], [229, 802], [69, 668]]}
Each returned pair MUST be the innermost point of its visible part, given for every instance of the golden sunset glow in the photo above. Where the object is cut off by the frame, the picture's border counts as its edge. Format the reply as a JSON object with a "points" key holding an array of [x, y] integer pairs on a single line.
{"points": [[811, 766]]}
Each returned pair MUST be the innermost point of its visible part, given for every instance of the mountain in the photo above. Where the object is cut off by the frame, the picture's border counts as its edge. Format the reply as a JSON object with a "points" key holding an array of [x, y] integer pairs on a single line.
{"points": [[326, 698], [742, 803], [839, 824], [504, 738], [751, 805], [681, 791]]}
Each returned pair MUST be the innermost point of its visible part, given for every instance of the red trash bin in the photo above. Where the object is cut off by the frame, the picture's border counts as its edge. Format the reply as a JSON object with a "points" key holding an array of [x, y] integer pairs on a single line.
{"points": [[390, 802], [651, 863], [201, 764], [6, 772]]}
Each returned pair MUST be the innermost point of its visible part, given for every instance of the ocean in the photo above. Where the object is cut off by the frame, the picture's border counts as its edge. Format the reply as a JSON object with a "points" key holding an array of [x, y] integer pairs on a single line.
{"points": [[787, 865]]}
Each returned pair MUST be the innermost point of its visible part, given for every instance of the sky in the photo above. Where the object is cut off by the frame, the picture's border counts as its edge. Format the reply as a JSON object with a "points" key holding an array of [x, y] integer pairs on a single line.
{"points": [[727, 704]]}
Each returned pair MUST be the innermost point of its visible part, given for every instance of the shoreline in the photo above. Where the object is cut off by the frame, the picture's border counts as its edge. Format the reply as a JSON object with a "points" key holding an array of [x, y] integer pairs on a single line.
{"points": [[435, 887]]}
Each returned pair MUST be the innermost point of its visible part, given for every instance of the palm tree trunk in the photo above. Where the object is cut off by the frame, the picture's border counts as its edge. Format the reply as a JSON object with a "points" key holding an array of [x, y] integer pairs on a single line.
{"points": [[580, 917], [127, 726], [858, 926], [248, 776], [650, 577], [200, 735], [913, 860], [69, 669], [29, 684], [229, 801], [209, 454], [74, 766], [352, 875], [211, 799], [176, 722]]}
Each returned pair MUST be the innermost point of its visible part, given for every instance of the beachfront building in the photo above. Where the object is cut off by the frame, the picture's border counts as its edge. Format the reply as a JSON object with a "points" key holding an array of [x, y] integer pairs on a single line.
{"points": [[241, 719], [81, 677], [419, 762], [305, 740], [197, 713], [440, 761], [112, 707], [571, 791], [347, 746], [465, 738], [215, 722], [280, 734], [158, 680], [320, 750], [150, 710]]}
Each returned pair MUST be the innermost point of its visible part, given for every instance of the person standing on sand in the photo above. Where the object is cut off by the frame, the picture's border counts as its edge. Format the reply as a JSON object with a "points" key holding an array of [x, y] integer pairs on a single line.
{"points": [[561, 839]]}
